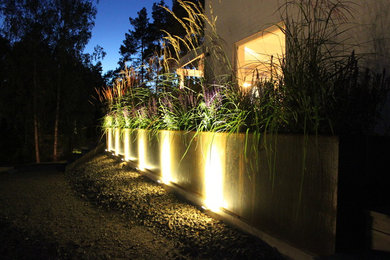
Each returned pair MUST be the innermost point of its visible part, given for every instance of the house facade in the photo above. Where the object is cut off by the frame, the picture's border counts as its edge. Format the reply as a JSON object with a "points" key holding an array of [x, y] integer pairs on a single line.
{"points": [[366, 30], [254, 42]]}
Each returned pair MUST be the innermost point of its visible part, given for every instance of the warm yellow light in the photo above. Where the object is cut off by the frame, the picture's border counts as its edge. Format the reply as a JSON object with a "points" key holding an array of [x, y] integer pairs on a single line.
{"points": [[214, 178], [246, 85], [126, 141], [141, 150], [258, 56], [117, 139], [251, 53], [166, 170], [109, 139]]}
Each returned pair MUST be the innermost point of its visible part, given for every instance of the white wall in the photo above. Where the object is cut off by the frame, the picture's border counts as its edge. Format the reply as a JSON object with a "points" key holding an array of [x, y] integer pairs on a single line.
{"points": [[238, 19], [369, 25], [368, 30]]}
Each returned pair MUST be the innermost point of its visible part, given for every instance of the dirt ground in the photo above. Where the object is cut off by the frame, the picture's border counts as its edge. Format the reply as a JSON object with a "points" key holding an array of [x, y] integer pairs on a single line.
{"points": [[101, 210]]}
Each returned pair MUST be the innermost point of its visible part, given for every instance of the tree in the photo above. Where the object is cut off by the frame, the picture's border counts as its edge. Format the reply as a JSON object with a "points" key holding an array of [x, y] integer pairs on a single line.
{"points": [[5, 131], [161, 20], [139, 42], [74, 24], [48, 78], [25, 22]]}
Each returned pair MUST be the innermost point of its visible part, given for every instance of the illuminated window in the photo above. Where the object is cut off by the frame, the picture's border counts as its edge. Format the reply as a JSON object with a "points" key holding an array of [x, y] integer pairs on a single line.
{"points": [[258, 56]]}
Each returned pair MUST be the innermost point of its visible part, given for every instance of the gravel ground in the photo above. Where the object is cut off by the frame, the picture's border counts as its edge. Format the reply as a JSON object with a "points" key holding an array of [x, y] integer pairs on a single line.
{"points": [[42, 218], [103, 209], [114, 185]]}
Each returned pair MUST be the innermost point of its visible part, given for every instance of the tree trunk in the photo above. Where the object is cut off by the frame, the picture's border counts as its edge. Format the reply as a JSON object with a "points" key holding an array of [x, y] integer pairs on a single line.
{"points": [[35, 111], [142, 60], [55, 145]]}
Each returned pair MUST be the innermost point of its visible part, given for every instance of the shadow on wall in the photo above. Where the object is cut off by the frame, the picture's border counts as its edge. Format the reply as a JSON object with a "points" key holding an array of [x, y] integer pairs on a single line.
{"points": [[375, 35]]}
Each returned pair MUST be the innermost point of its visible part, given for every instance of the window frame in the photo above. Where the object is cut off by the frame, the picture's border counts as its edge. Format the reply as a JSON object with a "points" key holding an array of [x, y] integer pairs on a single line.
{"points": [[260, 34]]}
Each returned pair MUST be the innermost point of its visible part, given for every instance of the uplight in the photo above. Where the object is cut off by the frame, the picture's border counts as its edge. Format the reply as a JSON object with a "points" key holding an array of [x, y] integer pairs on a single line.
{"points": [[127, 144], [213, 178], [166, 170], [109, 139], [117, 138], [141, 151]]}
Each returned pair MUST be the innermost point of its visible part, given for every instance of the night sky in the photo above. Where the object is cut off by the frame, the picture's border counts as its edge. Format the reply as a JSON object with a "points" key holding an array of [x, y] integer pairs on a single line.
{"points": [[111, 24]]}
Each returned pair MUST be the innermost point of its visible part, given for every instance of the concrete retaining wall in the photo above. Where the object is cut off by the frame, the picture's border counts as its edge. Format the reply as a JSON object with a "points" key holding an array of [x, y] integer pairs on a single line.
{"points": [[283, 185]]}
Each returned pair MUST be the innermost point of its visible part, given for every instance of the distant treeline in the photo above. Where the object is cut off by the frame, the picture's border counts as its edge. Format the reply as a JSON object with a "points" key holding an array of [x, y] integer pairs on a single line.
{"points": [[46, 82]]}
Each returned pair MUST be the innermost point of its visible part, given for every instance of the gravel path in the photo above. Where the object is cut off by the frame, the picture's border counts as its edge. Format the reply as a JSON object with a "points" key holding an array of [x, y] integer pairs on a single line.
{"points": [[103, 209], [40, 217]]}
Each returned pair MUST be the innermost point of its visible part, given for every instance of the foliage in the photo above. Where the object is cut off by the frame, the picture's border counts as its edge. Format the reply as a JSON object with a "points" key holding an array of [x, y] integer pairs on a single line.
{"points": [[47, 78], [317, 89], [140, 40], [317, 74], [143, 45]]}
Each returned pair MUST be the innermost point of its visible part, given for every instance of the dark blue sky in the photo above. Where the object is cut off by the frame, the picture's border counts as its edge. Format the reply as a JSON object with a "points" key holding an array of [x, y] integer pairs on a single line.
{"points": [[111, 24]]}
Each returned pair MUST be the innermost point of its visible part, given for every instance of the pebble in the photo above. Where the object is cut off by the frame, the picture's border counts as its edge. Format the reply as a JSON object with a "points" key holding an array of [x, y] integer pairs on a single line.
{"points": [[115, 186]]}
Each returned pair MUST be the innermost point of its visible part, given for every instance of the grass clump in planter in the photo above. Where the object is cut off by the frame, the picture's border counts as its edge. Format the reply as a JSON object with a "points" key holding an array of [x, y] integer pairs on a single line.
{"points": [[315, 88], [312, 89]]}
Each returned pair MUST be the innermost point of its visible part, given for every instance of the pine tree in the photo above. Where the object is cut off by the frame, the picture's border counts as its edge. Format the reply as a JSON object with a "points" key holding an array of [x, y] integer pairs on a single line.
{"points": [[139, 42], [160, 20], [45, 86]]}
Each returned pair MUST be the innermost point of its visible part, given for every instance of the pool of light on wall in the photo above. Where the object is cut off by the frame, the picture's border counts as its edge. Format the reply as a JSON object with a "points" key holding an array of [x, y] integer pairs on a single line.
{"points": [[166, 169], [109, 139], [126, 144], [141, 150], [213, 177], [117, 140]]}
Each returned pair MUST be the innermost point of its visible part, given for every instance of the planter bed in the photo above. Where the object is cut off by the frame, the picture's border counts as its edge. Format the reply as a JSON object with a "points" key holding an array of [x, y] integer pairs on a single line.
{"points": [[272, 197]]}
